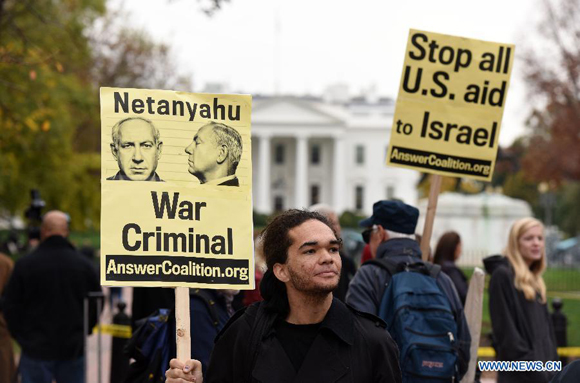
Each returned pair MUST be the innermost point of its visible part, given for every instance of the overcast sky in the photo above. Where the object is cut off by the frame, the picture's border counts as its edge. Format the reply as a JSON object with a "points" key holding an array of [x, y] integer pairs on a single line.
{"points": [[302, 46]]}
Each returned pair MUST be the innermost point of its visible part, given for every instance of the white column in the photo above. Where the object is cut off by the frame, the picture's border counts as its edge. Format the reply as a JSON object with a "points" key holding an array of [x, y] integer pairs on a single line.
{"points": [[338, 175], [300, 179], [264, 205]]}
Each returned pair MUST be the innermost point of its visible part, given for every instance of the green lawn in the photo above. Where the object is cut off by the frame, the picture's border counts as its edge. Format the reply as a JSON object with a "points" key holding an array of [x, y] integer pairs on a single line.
{"points": [[564, 284], [87, 238]]}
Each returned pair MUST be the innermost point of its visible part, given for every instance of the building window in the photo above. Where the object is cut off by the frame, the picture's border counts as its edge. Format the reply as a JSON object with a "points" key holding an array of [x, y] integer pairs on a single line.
{"points": [[390, 192], [358, 198], [315, 154], [360, 155], [278, 203], [279, 152], [314, 194]]}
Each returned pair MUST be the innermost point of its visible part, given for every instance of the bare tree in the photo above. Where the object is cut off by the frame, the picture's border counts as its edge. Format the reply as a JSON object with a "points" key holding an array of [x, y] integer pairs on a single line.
{"points": [[552, 72]]}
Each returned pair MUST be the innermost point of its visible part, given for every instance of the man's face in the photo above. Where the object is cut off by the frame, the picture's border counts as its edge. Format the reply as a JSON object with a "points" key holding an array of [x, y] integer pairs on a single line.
{"points": [[313, 264], [203, 153], [136, 152]]}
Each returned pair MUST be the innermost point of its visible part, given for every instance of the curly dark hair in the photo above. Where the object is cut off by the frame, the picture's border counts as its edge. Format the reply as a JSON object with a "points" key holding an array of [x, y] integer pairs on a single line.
{"points": [[275, 245]]}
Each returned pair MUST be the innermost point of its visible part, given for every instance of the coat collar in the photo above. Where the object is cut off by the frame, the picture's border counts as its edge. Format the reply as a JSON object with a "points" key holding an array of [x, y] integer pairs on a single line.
{"points": [[400, 249], [55, 241], [338, 321], [322, 362]]}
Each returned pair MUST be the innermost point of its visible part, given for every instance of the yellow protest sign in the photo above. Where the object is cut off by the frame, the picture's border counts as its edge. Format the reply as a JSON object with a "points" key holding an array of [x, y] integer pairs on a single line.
{"points": [[450, 105], [176, 186]]}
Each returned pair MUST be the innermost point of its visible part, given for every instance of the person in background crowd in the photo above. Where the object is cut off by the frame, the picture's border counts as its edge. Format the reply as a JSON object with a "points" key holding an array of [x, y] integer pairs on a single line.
{"points": [[252, 296], [299, 332], [210, 311], [419, 239], [348, 268], [570, 373], [448, 251], [390, 235], [7, 368], [146, 300], [44, 306], [366, 254], [517, 302]]}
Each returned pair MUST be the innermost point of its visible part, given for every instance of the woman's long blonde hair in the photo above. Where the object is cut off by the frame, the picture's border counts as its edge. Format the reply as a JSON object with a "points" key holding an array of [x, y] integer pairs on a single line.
{"points": [[527, 279]]}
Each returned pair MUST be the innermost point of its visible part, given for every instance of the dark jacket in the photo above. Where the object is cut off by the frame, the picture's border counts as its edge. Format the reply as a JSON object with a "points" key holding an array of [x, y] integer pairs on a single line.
{"points": [[209, 315], [370, 282], [346, 274], [570, 374], [458, 278], [146, 300], [350, 347], [44, 300], [522, 329], [233, 182]]}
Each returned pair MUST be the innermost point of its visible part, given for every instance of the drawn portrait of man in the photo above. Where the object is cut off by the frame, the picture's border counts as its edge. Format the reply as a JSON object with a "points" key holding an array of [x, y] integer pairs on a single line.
{"points": [[214, 154], [136, 147]]}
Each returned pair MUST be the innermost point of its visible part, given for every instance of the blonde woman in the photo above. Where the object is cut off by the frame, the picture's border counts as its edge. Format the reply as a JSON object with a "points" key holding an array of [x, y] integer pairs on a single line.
{"points": [[520, 320]]}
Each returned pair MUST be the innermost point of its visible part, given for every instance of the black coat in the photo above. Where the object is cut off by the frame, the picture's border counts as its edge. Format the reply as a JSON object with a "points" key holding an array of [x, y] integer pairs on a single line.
{"points": [[522, 329], [44, 300], [146, 300], [350, 347], [458, 278], [347, 272]]}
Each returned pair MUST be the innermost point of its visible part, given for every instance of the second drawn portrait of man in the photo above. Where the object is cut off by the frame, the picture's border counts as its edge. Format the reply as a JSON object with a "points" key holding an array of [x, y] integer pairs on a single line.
{"points": [[214, 155]]}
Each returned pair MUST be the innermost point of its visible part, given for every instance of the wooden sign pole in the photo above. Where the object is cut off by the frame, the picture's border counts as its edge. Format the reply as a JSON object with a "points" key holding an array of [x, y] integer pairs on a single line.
{"points": [[429, 218], [182, 324], [474, 314]]}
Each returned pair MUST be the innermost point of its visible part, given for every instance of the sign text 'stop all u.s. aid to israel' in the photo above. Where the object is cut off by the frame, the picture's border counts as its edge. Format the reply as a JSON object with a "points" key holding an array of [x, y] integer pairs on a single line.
{"points": [[450, 105], [176, 182]]}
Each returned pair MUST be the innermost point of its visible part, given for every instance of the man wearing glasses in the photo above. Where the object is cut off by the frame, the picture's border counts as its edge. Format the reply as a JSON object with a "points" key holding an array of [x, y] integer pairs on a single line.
{"points": [[390, 235]]}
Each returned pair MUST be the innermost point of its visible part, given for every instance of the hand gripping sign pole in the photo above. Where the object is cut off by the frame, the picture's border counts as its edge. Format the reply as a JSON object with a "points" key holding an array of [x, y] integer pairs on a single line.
{"points": [[431, 210], [182, 323]]}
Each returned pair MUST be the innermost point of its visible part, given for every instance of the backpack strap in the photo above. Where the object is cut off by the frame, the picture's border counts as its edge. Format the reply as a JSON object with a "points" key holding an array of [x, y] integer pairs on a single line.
{"points": [[209, 302], [393, 268]]}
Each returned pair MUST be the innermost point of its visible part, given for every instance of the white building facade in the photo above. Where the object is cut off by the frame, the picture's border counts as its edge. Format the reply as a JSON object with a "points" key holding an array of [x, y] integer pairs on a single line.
{"points": [[306, 151], [483, 222]]}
